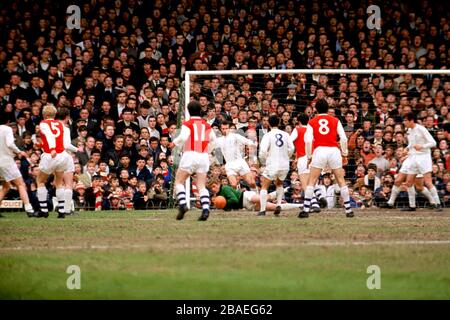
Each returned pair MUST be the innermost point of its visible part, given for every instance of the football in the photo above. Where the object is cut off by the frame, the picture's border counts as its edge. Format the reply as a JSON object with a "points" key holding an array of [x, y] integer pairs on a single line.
{"points": [[220, 202]]}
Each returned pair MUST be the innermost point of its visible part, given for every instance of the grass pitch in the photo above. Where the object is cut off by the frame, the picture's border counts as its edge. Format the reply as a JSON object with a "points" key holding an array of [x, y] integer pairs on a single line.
{"points": [[234, 255]]}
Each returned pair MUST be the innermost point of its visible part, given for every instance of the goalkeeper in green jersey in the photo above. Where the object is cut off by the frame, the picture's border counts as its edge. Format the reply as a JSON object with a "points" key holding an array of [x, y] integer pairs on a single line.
{"points": [[238, 199]]}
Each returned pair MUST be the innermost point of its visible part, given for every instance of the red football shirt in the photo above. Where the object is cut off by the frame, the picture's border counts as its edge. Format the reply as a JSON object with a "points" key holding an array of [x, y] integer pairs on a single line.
{"points": [[52, 136], [199, 135], [300, 142], [324, 130]]}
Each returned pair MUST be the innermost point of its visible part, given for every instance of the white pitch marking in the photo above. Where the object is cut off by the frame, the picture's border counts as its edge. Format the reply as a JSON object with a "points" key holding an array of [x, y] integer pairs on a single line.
{"points": [[260, 245]]}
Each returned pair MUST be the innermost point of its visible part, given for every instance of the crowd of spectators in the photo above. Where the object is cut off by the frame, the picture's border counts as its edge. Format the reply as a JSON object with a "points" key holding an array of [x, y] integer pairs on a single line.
{"points": [[120, 76]]}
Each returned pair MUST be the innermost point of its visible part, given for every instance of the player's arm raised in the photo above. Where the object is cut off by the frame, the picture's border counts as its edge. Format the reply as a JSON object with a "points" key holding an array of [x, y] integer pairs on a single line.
{"points": [[342, 139]]}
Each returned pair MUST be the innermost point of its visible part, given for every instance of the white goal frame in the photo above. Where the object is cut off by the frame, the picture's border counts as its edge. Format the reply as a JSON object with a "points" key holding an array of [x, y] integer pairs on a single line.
{"points": [[188, 74]]}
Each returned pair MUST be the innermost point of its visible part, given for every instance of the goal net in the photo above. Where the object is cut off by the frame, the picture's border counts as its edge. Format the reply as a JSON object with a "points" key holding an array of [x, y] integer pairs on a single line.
{"points": [[369, 103]]}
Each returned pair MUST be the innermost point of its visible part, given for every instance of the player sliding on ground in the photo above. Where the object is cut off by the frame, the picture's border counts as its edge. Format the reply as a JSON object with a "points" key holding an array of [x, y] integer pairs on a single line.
{"points": [[9, 170], [199, 140], [230, 144], [298, 138], [418, 162], [250, 200], [321, 133], [275, 151]]}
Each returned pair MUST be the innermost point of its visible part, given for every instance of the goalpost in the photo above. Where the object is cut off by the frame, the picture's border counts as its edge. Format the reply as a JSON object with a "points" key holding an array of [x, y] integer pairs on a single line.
{"points": [[307, 82]]}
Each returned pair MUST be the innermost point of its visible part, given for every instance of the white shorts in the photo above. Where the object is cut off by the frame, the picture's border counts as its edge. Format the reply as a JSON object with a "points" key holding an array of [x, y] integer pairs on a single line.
{"points": [[194, 162], [326, 157], [421, 164], [302, 165], [237, 168], [405, 166], [247, 200], [70, 163], [274, 173], [418, 164], [9, 171], [51, 165]]}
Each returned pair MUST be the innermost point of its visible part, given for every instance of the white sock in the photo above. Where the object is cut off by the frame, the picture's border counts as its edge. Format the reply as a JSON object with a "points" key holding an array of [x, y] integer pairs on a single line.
{"points": [[394, 195], [181, 194], [288, 206], [204, 198], [280, 194], [346, 198], [435, 195], [60, 197], [263, 199], [428, 195], [68, 195], [42, 197], [412, 197], [29, 208], [309, 194]]}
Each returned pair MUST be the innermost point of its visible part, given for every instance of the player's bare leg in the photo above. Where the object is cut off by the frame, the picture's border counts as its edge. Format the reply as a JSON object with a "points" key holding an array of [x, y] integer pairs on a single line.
{"points": [[5, 188], [411, 192], [22, 188], [180, 191], [345, 195], [204, 195], [249, 178], [401, 177], [265, 183], [68, 192], [232, 179], [59, 185], [428, 181], [314, 174]]}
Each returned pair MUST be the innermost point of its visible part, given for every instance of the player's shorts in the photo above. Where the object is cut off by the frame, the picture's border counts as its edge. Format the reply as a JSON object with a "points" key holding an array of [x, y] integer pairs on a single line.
{"points": [[70, 163], [237, 168], [247, 200], [274, 173], [405, 166], [302, 165], [194, 162], [420, 164], [326, 157], [9, 171], [51, 165]]}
